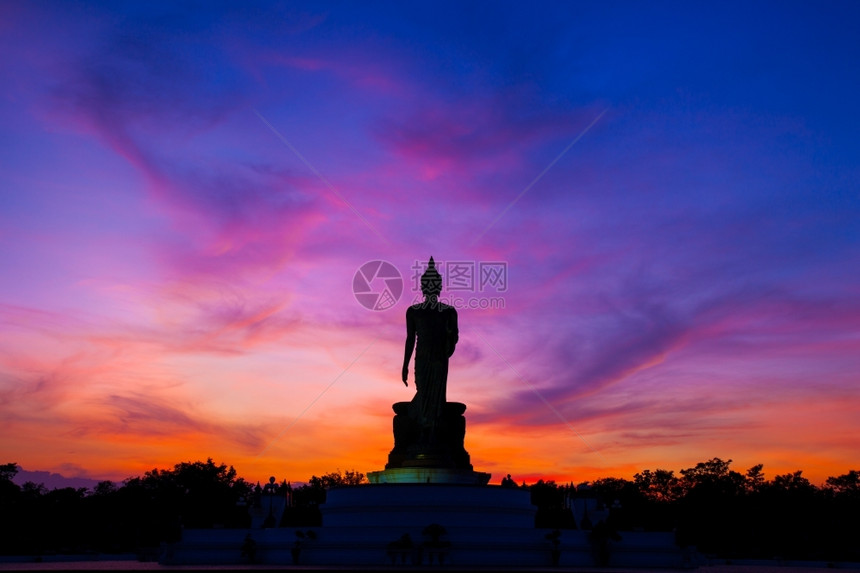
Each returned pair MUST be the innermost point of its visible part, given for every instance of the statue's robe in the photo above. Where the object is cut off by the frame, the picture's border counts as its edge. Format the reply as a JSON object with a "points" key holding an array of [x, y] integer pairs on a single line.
{"points": [[435, 327]]}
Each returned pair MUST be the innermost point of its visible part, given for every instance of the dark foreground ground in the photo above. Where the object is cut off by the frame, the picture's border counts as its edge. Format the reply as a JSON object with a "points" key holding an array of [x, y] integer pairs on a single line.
{"points": [[133, 565]]}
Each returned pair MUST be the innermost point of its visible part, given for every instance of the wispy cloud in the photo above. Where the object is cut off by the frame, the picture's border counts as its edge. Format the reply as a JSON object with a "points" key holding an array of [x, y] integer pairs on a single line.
{"points": [[178, 281]]}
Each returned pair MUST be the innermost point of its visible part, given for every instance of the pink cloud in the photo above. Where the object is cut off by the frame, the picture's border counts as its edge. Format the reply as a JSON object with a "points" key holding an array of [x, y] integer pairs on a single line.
{"points": [[367, 68], [484, 136]]}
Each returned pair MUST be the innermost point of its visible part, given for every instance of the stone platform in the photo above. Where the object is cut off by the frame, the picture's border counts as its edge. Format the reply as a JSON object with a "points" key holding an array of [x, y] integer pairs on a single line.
{"points": [[364, 526], [428, 475], [417, 505]]}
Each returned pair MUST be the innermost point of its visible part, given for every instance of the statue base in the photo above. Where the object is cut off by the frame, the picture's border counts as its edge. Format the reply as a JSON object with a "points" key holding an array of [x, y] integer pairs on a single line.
{"points": [[429, 475], [445, 450]]}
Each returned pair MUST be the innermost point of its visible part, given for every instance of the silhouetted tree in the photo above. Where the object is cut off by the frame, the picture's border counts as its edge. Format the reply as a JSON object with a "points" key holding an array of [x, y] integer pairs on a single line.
{"points": [[552, 512], [10, 492], [846, 484], [104, 488], [755, 480], [660, 485], [8, 472], [10, 507], [712, 478], [842, 496], [307, 498], [337, 479], [192, 494], [711, 506]]}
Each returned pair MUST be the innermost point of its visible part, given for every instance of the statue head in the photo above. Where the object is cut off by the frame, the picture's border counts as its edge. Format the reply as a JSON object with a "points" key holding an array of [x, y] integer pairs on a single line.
{"points": [[431, 280]]}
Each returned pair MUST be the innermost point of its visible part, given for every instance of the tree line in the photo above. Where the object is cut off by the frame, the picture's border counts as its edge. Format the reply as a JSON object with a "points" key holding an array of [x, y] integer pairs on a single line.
{"points": [[721, 512], [140, 513]]}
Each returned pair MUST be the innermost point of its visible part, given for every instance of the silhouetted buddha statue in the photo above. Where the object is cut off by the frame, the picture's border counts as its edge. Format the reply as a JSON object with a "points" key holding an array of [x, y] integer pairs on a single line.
{"points": [[434, 325]]}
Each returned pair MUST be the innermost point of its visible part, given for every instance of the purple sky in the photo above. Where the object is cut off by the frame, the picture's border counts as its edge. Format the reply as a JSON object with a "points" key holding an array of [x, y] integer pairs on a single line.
{"points": [[187, 191]]}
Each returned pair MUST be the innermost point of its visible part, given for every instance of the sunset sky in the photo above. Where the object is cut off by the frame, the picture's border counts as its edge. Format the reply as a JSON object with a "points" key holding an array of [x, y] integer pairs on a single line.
{"points": [[670, 189]]}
